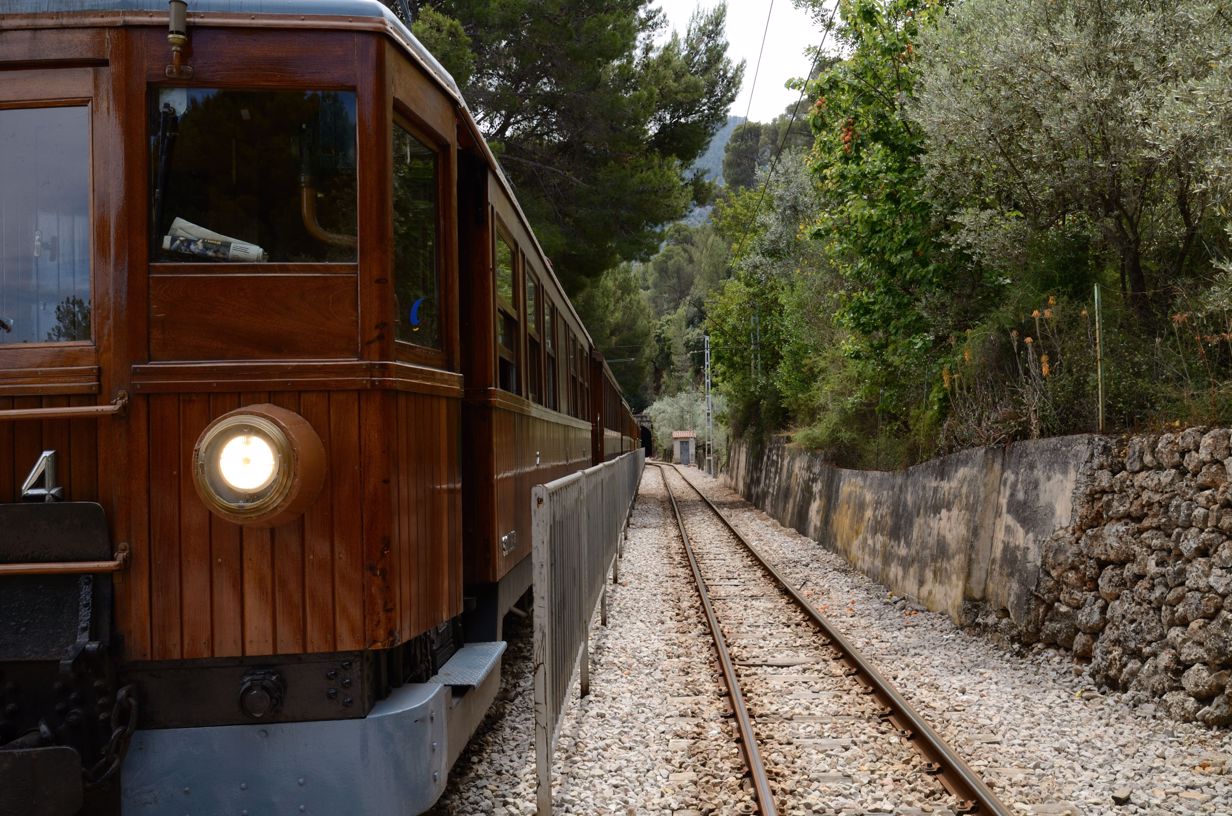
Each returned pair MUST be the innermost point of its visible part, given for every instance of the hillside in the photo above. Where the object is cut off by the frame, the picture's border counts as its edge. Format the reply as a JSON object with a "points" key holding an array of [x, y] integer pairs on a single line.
{"points": [[712, 160]]}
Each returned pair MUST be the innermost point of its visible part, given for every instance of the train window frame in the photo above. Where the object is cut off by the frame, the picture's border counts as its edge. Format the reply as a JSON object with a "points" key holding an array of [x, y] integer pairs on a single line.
{"points": [[405, 350], [570, 376], [533, 333], [551, 371], [62, 88], [510, 355]]}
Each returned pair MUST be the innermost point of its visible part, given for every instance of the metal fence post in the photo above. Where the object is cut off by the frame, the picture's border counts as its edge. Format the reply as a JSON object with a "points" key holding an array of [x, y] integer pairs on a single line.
{"points": [[545, 719], [585, 671]]}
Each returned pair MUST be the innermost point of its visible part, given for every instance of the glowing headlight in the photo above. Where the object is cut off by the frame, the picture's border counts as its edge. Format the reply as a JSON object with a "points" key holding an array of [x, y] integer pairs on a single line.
{"points": [[261, 465], [247, 462]]}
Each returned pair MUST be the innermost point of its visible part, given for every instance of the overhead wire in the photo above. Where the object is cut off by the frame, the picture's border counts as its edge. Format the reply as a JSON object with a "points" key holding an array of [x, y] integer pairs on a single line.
{"points": [[787, 131], [757, 69]]}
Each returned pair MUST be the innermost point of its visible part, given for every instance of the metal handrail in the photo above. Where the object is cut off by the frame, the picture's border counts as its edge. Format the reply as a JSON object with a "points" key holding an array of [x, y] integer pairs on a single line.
{"points": [[117, 564], [114, 408]]}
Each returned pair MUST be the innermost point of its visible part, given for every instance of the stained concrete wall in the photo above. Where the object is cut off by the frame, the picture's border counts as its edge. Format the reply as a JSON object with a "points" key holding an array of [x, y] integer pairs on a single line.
{"points": [[966, 527]]}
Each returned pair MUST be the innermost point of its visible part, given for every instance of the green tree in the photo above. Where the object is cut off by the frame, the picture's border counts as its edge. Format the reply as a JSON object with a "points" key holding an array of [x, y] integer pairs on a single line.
{"points": [[594, 122], [686, 411], [621, 323], [1091, 124], [754, 146], [448, 42], [906, 289], [742, 155]]}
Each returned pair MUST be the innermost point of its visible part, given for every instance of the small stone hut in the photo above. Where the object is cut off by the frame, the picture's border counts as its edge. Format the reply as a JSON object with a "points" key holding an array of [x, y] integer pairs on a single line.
{"points": [[684, 447]]}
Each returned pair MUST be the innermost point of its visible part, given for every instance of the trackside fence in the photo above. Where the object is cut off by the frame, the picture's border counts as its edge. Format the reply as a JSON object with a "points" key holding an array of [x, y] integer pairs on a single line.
{"points": [[578, 525]]}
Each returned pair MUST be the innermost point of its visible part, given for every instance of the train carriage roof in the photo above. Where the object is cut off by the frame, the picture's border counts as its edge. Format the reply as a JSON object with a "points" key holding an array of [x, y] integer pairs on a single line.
{"points": [[53, 13]]}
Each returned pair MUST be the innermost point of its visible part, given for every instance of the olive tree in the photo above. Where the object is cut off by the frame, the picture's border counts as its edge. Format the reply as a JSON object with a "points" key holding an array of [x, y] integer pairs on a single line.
{"points": [[1109, 118]]}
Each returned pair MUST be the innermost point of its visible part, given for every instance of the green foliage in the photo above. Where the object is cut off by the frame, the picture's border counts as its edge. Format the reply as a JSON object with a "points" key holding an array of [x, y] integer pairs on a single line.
{"points": [[621, 323], [594, 122], [741, 156], [1075, 143], [744, 319], [879, 228], [686, 411], [447, 40], [1102, 121], [964, 207], [754, 145]]}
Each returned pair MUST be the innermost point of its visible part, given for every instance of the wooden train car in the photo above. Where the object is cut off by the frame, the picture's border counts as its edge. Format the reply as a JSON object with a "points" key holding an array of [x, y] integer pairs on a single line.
{"points": [[614, 430], [528, 384], [280, 360]]}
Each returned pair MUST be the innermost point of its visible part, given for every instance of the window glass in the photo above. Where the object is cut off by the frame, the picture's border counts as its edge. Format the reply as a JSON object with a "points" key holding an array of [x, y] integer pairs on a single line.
{"points": [[416, 290], [252, 176], [532, 303], [549, 344], [44, 225], [506, 319], [504, 272]]}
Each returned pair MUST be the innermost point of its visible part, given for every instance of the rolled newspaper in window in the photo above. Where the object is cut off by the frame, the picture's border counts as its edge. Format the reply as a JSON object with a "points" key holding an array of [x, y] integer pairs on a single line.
{"points": [[186, 238]]}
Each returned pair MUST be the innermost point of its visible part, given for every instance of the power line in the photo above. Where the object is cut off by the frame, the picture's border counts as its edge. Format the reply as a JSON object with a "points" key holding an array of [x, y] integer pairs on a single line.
{"points": [[757, 68], [787, 131]]}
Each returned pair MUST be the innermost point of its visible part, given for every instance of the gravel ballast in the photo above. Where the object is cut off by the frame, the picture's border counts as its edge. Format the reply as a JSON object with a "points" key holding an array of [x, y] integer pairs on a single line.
{"points": [[655, 737]]}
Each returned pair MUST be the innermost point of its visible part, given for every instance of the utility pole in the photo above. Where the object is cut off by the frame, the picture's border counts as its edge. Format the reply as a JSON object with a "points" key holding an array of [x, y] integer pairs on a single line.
{"points": [[1099, 354], [709, 415]]}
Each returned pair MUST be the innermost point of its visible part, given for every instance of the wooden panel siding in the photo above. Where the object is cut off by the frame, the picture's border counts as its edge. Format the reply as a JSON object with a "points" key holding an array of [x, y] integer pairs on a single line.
{"points": [[512, 433], [372, 563], [253, 317], [76, 443]]}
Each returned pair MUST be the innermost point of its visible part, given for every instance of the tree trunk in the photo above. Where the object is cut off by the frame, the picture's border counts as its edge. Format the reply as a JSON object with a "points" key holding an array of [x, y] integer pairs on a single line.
{"points": [[1139, 299]]}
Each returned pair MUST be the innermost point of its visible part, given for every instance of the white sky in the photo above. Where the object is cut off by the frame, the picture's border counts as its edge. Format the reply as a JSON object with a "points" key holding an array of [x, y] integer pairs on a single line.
{"points": [[790, 32]]}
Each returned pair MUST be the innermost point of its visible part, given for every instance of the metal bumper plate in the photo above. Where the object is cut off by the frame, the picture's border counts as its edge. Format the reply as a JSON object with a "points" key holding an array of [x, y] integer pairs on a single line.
{"points": [[391, 762]]}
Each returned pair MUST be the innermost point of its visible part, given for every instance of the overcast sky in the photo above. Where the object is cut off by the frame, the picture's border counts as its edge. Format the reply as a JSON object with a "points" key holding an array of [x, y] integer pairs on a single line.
{"points": [[790, 32]]}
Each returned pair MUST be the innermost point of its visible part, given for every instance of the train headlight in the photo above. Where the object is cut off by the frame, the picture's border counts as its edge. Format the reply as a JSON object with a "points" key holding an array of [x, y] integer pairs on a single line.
{"points": [[261, 465], [247, 462]]}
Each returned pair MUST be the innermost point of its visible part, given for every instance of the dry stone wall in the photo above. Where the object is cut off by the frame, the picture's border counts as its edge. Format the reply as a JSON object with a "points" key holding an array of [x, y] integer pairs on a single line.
{"points": [[1142, 584], [1118, 550]]}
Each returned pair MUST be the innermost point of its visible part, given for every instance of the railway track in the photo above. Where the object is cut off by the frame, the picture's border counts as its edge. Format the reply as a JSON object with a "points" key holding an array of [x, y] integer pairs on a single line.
{"points": [[819, 725]]}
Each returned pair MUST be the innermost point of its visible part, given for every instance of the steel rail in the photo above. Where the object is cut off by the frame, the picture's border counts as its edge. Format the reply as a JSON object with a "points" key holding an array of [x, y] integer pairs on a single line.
{"points": [[748, 741], [942, 761]]}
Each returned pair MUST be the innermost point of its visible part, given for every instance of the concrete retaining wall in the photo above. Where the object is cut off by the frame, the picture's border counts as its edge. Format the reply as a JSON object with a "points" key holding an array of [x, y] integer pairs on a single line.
{"points": [[965, 527]]}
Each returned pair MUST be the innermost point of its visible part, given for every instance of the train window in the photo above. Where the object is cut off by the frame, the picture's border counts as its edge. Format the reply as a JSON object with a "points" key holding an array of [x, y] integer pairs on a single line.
{"points": [[575, 390], [549, 345], [506, 318], [44, 224], [253, 176], [534, 346], [584, 379], [416, 285]]}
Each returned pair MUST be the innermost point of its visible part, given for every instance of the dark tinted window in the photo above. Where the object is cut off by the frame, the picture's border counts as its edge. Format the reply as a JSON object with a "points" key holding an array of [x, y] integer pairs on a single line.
{"points": [[249, 176], [44, 225], [415, 224], [507, 339]]}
